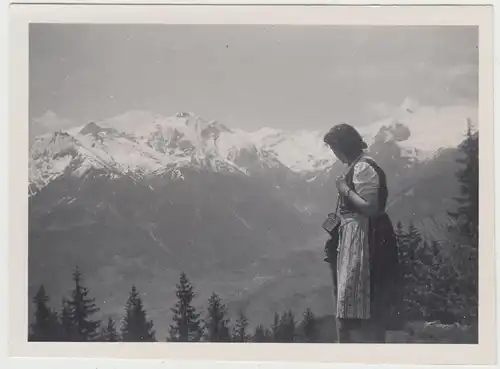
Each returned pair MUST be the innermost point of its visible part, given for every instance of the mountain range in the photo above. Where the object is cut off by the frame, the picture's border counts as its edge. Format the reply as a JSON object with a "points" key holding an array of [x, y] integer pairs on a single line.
{"points": [[138, 198]]}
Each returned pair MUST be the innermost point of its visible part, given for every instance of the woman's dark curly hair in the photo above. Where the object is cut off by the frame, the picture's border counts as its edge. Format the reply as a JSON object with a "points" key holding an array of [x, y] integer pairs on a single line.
{"points": [[345, 139]]}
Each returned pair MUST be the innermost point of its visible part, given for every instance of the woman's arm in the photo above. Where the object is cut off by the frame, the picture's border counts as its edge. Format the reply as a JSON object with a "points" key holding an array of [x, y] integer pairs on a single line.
{"points": [[364, 195], [361, 204]]}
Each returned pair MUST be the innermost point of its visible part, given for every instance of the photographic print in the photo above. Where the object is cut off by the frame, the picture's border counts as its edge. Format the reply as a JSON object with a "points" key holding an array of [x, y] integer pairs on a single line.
{"points": [[179, 175], [254, 184]]}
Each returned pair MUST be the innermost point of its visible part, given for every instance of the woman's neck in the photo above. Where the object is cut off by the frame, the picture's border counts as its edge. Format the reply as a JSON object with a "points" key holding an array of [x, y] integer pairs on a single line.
{"points": [[351, 161]]}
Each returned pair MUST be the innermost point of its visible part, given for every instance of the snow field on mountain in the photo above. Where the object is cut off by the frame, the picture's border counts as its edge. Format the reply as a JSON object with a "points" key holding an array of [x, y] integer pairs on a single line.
{"points": [[147, 143]]}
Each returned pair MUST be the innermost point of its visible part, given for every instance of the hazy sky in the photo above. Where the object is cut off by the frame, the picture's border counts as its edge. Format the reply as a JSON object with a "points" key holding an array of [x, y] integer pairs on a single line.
{"points": [[246, 76]]}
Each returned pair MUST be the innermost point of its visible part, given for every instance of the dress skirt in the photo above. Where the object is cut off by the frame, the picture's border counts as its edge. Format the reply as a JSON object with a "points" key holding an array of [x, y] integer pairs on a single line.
{"points": [[366, 258], [353, 268]]}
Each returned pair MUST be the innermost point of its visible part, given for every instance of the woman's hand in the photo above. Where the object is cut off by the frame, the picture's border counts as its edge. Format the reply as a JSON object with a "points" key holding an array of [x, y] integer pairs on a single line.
{"points": [[354, 199], [342, 186]]}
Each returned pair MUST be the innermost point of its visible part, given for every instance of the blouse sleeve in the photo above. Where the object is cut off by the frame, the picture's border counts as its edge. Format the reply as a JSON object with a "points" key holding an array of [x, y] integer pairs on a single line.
{"points": [[366, 184]]}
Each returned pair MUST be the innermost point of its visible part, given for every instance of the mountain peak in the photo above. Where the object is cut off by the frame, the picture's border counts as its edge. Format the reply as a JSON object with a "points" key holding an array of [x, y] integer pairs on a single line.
{"points": [[396, 131], [193, 127], [183, 114], [93, 129]]}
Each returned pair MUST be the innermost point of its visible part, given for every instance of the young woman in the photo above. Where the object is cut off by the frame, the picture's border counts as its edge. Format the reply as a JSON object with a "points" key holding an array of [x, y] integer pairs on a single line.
{"points": [[367, 258]]}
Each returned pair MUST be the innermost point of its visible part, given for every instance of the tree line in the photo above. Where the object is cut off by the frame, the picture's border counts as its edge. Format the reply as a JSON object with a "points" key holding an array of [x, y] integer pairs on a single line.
{"points": [[441, 278], [440, 283], [75, 323]]}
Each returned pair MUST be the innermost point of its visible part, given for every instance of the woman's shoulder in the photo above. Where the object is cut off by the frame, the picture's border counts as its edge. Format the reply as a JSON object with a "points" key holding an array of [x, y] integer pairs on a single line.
{"points": [[365, 169], [365, 163]]}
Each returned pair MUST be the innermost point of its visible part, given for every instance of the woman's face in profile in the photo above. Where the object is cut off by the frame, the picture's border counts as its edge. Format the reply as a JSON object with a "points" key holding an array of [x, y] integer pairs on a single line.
{"points": [[339, 154]]}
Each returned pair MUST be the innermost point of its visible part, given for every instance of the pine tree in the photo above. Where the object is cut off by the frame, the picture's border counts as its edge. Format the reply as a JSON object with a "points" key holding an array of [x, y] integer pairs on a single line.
{"points": [[466, 233], [308, 326], [262, 334], [135, 326], [276, 331], [403, 248], [109, 333], [408, 246], [216, 322], [46, 326], [414, 238], [68, 329], [437, 301], [404, 258], [187, 326], [240, 328], [81, 308], [414, 251], [399, 230], [426, 300], [259, 334], [284, 327], [288, 327], [467, 213], [408, 243], [425, 254]]}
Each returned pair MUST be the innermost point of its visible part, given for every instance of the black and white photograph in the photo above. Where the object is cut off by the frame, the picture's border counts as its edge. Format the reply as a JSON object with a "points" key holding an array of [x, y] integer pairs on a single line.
{"points": [[253, 183], [232, 183]]}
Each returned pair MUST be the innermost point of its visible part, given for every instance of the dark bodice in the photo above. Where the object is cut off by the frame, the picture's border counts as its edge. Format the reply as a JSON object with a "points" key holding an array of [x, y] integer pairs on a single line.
{"points": [[344, 205]]}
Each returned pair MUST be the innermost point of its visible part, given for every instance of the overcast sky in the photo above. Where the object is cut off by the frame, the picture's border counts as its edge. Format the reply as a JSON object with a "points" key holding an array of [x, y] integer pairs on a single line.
{"points": [[290, 77]]}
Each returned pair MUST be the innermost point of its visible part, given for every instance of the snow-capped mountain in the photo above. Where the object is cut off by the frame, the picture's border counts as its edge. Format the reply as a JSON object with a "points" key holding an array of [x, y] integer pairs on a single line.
{"points": [[421, 131], [139, 144]]}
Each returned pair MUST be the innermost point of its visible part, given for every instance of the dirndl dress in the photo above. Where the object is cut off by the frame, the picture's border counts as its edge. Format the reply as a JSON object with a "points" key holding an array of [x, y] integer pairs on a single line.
{"points": [[367, 250]]}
